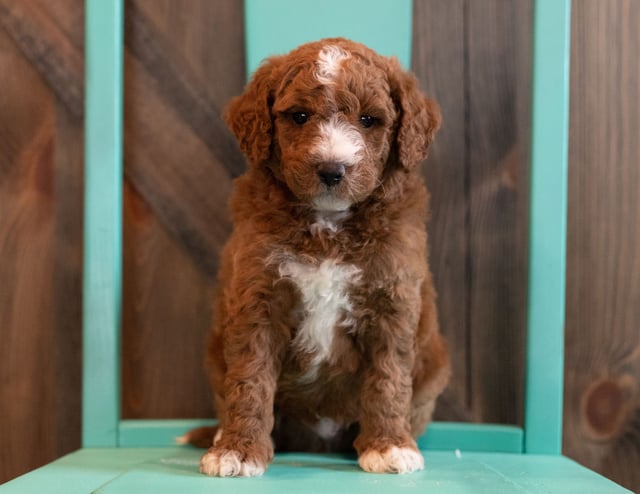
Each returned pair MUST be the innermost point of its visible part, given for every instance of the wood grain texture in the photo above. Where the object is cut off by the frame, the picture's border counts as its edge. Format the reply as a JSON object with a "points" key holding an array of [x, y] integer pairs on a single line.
{"points": [[48, 48], [173, 170], [476, 66], [68, 17], [168, 146], [68, 161], [166, 313], [438, 62], [181, 172], [189, 95], [54, 47], [602, 396], [496, 246], [184, 61], [40, 262]]}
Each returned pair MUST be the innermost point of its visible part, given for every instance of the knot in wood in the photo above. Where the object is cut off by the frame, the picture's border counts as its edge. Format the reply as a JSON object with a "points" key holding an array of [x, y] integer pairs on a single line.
{"points": [[605, 408]]}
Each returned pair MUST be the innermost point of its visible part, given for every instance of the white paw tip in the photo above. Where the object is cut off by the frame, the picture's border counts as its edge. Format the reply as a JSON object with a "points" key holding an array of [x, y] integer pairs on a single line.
{"points": [[393, 460], [217, 437], [228, 464]]}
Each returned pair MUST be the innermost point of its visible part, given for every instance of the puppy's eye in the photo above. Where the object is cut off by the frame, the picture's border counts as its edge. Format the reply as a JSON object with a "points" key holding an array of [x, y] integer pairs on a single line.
{"points": [[367, 121], [300, 117]]}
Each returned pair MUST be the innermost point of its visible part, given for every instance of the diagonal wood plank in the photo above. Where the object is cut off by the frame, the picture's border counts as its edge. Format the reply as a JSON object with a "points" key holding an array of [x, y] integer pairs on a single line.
{"points": [[180, 193], [181, 87], [167, 308], [40, 263], [166, 315], [167, 299], [172, 169], [68, 15], [47, 47]]}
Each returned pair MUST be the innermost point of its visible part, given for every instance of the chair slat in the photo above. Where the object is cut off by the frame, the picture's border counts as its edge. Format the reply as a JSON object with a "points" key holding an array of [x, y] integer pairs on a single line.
{"points": [[103, 209], [278, 26], [547, 227], [102, 223]]}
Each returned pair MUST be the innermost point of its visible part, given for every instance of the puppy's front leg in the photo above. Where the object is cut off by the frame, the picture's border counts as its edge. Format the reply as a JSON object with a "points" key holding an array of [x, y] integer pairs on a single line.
{"points": [[385, 443], [244, 448]]}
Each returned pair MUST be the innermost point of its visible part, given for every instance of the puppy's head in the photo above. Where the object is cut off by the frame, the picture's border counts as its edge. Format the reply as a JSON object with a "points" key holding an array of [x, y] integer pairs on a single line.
{"points": [[330, 118]]}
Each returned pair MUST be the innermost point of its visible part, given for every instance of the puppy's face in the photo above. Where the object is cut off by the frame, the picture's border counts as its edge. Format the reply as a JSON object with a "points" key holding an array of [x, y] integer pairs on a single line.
{"points": [[334, 125], [329, 117]]}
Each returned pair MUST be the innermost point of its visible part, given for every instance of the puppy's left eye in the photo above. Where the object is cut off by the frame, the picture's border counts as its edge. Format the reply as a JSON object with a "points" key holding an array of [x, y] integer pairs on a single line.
{"points": [[300, 117], [367, 121]]}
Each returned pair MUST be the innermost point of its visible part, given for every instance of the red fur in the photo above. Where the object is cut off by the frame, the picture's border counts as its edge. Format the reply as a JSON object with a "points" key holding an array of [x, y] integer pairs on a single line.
{"points": [[387, 362]]}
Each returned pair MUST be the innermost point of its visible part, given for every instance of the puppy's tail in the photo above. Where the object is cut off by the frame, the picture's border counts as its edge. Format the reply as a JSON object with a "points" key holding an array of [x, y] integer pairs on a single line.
{"points": [[202, 437]]}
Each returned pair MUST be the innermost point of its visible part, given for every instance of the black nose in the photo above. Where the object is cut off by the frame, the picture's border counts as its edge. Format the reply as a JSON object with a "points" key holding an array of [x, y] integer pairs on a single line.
{"points": [[331, 174]]}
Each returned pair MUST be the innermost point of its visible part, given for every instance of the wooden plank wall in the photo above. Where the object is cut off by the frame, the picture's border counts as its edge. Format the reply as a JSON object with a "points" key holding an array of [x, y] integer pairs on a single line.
{"points": [[183, 62], [40, 232], [602, 398], [182, 65], [477, 177]]}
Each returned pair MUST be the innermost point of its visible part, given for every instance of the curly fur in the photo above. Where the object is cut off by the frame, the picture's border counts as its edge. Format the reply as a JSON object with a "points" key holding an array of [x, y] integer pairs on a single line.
{"points": [[326, 335]]}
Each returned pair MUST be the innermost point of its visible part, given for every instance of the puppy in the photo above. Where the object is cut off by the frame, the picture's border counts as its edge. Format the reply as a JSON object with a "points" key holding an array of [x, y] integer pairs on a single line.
{"points": [[326, 335]]}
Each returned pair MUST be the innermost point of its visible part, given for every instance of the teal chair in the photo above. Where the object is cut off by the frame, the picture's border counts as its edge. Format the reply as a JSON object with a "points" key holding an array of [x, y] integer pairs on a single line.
{"points": [[121, 456]]}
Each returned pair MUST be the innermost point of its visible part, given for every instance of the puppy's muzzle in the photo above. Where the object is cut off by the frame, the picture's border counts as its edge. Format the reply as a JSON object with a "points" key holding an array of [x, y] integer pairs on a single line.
{"points": [[331, 174]]}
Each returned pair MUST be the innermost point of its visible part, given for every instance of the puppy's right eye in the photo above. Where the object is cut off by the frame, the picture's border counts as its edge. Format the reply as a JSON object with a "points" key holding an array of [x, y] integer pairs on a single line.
{"points": [[300, 117]]}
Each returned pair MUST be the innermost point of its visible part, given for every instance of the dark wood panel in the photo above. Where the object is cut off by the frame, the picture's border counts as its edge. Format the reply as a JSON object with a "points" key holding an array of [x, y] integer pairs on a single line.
{"points": [[180, 159], [477, 66], [68, 162], [178, 154], [208, 40], [188, 94], [173, 170], [40, 239], [44, 41], [166, 313], [68, 16], [496, 246], [184, 61], [602, 399], [438, 62], [48, 48]]}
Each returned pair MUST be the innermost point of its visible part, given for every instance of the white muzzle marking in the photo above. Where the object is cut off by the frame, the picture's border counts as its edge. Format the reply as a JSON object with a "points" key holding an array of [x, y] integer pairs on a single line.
{"points": [[338, 141]]}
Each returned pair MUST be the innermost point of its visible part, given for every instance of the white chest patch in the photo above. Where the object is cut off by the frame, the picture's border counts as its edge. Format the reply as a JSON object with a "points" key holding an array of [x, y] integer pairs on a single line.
{"points": [[324, 290]]}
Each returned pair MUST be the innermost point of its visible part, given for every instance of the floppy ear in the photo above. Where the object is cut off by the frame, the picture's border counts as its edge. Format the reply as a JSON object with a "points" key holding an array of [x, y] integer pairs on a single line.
{"points": [[249, 115], [419, 116]]}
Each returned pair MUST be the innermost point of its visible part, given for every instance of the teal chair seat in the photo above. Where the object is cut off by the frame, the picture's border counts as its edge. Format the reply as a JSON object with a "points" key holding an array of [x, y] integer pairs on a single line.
{"points": [[121, 456], [175, 470]]}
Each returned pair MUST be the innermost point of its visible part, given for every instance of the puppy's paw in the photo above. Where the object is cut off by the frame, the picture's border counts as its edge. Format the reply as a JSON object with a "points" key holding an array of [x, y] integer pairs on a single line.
{"points": [[230, 463], [392, 460]]}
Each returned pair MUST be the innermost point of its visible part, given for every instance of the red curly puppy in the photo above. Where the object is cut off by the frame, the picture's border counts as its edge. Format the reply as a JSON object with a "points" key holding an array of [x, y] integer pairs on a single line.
{"points": [[326, 335]]}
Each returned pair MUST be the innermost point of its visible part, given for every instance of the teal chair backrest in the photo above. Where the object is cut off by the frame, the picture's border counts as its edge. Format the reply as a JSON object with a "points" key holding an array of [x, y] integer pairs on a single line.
{"points": [[102, 275], [276, 26]]}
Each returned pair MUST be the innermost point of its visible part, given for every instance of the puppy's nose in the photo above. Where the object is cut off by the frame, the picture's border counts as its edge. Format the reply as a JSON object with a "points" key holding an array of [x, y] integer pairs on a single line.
{"points": [[331, 174]]}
